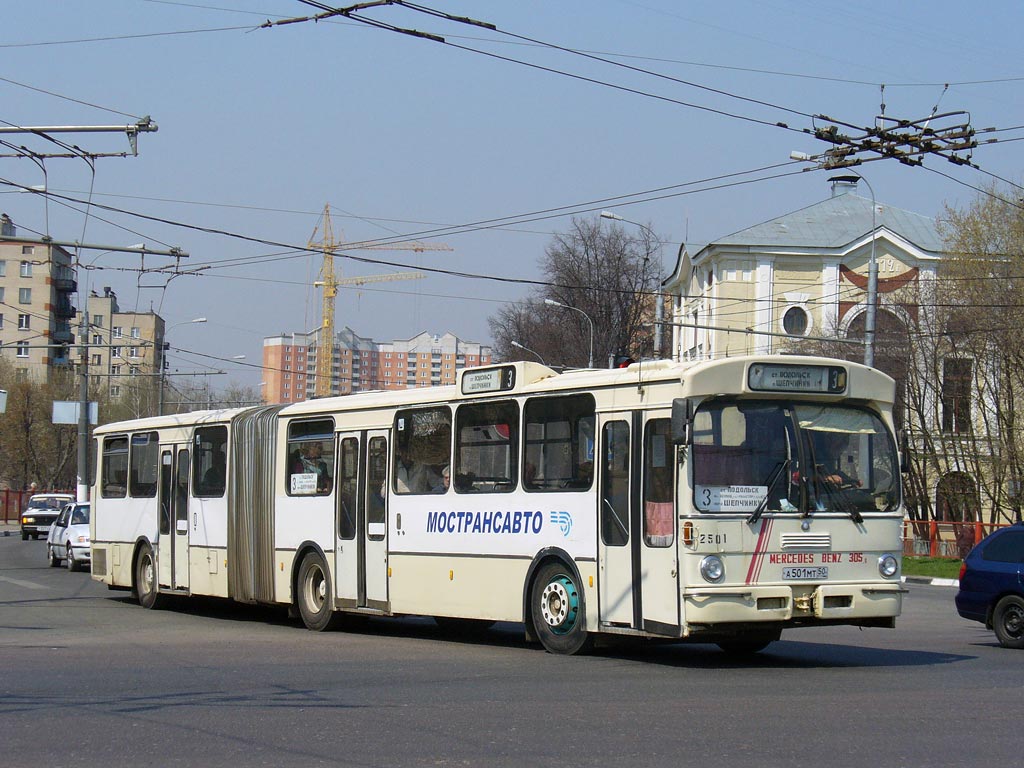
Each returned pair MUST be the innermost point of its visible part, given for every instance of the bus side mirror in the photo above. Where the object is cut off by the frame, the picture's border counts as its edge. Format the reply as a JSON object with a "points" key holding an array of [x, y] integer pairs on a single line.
{"points": [[682, 421]]}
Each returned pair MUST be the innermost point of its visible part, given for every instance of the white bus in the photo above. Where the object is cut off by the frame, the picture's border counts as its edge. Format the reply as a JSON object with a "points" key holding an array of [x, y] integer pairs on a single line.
{"points": [[715, 502]]}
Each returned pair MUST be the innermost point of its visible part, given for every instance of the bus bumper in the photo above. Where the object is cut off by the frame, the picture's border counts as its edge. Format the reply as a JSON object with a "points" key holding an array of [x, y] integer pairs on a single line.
{"points": [[831, 603]]}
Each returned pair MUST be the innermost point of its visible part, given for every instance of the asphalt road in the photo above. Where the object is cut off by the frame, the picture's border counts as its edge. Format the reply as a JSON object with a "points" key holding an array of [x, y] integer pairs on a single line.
{"points": [[88, 678]]}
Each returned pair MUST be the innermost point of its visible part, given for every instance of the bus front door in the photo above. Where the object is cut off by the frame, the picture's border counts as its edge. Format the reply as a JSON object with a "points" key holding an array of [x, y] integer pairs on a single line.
{"points": [[615, 557], [375, 525], [637, 563], [172, 547]]}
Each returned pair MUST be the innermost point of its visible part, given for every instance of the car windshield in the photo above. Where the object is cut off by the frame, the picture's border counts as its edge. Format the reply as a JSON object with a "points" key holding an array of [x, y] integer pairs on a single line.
{"points": [[45, 502], [753, 457], [80, 516]]}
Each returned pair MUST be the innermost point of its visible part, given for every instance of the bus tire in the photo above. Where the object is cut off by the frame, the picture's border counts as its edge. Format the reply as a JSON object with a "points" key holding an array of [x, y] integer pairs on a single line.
{"points": [[557, 610], [146, 584], [312, 593], [1008, 622]]}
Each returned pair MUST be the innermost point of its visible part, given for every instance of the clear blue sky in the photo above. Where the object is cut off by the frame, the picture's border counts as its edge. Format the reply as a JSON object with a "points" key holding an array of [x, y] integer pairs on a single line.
{"points": [[259, 128]]}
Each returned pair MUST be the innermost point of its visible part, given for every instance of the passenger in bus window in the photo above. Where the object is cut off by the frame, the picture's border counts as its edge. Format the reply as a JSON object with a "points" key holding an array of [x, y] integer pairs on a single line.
{"points": [[415, 476], [213, 479], [829, 448], [310, 462]]}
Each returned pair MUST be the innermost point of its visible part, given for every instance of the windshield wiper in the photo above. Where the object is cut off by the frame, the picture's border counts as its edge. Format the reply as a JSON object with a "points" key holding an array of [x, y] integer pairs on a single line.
{"points": [[837, 498], [773, 478]]}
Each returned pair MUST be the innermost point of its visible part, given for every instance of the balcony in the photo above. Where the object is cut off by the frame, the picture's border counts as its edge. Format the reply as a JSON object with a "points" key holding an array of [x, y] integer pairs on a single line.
{"points": [[65, 284]]}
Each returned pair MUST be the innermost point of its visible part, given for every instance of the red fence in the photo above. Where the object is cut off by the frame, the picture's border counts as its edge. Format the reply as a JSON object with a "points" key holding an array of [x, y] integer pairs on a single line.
{"points": [[932, 538], [13, 502]]}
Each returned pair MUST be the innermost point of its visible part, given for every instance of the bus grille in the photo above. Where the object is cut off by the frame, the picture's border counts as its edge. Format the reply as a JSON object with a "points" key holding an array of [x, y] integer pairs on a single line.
{"points": [[806, 541], [99, 562]]}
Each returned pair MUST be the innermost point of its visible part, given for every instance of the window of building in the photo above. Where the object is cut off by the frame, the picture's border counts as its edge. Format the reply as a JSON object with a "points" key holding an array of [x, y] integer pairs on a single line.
{"points": [[97, 320], [24, 295], [28, 250], [22, 349], [115, 351], [210, 462], [26, 269], [1, 320], [422, 450], [95, 381], [97, 339], [115, 391], [133, 351], [1, 294], [21, 374], [796, 321], [115, 332], [956, 395], [24, 322], [487, 436], [3, 268], [114, 369], [95, 360], [310, 457], [135, 332], [144, 465], [133, 370]]}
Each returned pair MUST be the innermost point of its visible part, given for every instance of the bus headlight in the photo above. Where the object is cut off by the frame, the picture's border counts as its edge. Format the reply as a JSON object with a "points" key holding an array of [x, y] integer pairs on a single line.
{"points": [[712, 569], [888, 565]]}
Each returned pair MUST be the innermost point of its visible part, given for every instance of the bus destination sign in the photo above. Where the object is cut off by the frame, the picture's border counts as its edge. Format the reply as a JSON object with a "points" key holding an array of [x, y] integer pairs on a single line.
{"points": [[480, 381], [791, 377]]}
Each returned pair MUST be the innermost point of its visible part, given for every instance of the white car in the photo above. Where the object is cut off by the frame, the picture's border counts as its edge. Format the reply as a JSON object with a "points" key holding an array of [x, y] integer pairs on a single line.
{"points": [[68, 539]]}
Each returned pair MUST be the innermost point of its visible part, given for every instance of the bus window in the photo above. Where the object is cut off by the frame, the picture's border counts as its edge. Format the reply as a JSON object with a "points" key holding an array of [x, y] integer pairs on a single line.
{"points": [[559, 443], [659, 511], [209, 459], [310, 457], [615, 485], [376, 476], [348, 473], [115, 468], [142, 477], [487, 436], [422, 450]]}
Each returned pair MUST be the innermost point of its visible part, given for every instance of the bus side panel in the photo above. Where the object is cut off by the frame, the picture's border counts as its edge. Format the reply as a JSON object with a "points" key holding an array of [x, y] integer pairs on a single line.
{"points": [[118, 525]]}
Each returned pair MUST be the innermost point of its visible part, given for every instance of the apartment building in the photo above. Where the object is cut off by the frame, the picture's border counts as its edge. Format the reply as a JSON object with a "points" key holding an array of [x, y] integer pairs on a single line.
{"points": [[37, 282], [360, 364], [126, 349]]}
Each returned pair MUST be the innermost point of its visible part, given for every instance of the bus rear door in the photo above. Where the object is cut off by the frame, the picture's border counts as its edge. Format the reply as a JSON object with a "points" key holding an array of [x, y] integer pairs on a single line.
{"points": [[173, 544]]}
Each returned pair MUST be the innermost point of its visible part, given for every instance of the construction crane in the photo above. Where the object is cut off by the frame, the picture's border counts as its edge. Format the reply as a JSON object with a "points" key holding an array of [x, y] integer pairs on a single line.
{"points": [[330, 283]]}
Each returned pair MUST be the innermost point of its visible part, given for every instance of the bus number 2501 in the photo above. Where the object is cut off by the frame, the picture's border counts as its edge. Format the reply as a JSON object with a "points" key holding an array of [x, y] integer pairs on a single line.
{"points": [[711, 538]]}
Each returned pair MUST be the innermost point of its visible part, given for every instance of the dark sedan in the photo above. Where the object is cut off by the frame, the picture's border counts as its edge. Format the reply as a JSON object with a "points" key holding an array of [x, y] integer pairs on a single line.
{"points": [[992, 585]]}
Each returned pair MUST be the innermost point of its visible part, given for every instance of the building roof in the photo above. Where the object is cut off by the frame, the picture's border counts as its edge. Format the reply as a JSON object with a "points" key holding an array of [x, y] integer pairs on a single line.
{"points": [[837, 222]]}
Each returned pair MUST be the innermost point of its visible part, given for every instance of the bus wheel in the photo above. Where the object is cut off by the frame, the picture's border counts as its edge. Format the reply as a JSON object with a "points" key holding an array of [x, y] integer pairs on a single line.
{"points": [[146, 586], [748, 645], [556, 606], [314, 594]]}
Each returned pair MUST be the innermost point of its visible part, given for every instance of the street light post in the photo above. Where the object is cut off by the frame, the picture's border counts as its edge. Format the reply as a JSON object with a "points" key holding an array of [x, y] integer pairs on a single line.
{"points": [[163, 361], [659, 303], [872, 299], [553, 303], [526, 349]]}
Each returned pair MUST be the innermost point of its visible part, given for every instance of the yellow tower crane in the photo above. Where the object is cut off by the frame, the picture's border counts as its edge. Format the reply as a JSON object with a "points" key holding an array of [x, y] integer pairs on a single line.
{"points": [[330, 283]]}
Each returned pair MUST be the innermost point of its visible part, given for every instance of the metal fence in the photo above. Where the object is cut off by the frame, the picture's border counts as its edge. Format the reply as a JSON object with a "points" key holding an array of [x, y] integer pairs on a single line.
{"points": [[934, 538]]}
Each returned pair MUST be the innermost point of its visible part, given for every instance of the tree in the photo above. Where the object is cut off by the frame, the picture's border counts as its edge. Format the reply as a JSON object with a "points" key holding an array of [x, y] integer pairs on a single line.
{"points": [[601, 271], [32, 447]]}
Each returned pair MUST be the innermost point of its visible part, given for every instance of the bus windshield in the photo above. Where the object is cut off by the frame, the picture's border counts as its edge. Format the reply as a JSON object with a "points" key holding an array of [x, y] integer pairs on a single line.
{"points": [[772, 456]]}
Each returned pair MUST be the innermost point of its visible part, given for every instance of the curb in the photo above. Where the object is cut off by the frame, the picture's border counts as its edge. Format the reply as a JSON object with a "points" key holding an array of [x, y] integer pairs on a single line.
{"points": [[932, 582]]}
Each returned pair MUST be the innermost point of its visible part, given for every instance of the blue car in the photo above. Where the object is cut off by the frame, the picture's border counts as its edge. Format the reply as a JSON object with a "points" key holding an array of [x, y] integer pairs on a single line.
{"points": [[992, 585]]}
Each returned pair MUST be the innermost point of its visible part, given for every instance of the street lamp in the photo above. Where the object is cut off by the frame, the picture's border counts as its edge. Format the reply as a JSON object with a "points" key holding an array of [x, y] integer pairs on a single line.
{"points": [[869, 318], [659, 303], [163, 361], [527, 349], [553, 303]]}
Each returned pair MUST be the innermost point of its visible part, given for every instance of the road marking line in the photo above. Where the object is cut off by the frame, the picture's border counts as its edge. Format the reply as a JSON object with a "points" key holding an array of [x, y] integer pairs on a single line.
{"points": [[20, 583]]}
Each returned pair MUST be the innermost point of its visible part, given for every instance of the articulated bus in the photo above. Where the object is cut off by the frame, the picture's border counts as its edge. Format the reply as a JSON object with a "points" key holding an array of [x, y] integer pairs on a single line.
{"points": [[720, 501]]}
